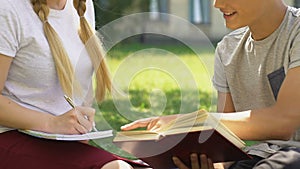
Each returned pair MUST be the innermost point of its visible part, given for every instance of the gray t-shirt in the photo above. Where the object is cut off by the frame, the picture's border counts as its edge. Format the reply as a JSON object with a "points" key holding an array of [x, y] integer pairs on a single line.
{"points": [[252, 71]]}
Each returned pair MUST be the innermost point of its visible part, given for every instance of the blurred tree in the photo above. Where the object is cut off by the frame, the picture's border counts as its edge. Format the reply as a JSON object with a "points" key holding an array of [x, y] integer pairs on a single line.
{"points": [[109, 10]]}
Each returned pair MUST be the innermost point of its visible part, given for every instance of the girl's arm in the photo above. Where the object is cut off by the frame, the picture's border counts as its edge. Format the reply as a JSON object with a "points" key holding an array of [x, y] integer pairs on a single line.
{"points": [[15, 116]]}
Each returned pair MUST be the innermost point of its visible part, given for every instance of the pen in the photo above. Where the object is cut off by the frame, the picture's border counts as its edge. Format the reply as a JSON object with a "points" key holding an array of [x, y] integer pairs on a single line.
{"points": [[71, 103]]}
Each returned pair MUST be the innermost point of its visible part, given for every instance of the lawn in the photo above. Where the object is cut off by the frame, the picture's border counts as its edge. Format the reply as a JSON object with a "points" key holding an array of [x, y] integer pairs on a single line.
{"points": [[154, 80]]}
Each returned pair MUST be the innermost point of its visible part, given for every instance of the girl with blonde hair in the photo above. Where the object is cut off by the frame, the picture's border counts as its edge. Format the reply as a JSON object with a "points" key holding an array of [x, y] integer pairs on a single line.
{"points": [[48, 49]]}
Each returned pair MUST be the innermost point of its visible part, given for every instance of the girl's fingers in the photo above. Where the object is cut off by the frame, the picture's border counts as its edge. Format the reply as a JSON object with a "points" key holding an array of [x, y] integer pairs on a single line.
{"points": [[80, 129], [84, 117], [84, 121], [87, 112]]}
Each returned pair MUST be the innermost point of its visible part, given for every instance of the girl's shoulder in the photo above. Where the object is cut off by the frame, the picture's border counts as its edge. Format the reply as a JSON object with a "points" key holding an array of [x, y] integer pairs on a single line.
{"points": [[9, 7]]}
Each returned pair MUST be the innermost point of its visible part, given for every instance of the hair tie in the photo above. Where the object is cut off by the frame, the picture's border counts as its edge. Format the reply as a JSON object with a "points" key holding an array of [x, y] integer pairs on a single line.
{"points": [[45, 21], [81, 16]]}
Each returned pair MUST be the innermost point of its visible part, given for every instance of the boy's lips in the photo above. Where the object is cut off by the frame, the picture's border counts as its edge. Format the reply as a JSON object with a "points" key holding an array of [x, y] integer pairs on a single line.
{"points": [[228, 15]]}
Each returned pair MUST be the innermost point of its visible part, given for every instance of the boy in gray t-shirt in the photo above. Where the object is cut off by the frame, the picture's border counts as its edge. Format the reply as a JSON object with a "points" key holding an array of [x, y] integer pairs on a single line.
{"points": [[250, 72], [257, 75]]}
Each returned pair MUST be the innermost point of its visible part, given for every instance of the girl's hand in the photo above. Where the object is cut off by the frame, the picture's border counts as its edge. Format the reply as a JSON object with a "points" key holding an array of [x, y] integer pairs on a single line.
{"points": [[76, 121]]}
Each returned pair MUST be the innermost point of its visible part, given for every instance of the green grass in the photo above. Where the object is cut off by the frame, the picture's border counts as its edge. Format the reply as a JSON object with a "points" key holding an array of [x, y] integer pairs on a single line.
{"points": [[156, 80]]}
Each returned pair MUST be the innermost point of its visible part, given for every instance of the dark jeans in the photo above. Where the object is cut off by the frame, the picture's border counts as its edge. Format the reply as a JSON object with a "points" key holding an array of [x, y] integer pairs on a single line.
{"points": [[286, 158]]}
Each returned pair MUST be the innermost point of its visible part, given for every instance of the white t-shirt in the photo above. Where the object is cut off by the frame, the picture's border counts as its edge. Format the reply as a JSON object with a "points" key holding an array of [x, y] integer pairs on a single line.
{"points": [[32, 80]]}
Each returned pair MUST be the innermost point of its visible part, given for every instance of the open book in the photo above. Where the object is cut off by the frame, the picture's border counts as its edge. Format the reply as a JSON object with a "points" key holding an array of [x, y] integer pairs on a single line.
{"points": [[197, 132], [69, 137]]}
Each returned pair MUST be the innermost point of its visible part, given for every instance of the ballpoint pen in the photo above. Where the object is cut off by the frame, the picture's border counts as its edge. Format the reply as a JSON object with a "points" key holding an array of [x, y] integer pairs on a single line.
{"points": [[71, 103]]}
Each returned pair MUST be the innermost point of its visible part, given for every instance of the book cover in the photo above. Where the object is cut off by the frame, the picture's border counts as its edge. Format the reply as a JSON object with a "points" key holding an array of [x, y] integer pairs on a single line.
{"points": [[158, 153]]}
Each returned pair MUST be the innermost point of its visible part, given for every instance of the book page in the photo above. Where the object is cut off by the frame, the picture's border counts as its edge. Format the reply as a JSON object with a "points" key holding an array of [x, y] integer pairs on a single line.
{"points": [[187, 121], [137, 135], [199, 121]]}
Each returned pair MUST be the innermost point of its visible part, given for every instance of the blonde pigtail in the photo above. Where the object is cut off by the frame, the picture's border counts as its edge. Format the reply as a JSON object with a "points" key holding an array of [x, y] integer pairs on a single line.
{"points": [[94, 49], [62, 62]]}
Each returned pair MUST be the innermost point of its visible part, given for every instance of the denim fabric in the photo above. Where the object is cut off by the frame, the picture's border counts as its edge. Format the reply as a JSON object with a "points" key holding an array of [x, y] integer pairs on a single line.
{"points": [[286, 158]]}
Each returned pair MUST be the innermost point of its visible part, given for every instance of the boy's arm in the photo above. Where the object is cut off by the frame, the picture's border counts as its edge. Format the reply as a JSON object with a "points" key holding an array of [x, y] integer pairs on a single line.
{"points": [[225, 103], [278, 121]]}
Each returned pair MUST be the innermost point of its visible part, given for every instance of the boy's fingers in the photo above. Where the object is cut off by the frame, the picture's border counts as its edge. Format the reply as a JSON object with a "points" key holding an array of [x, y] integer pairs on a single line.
{"points": [[178, 163], [210, 164], [195, 161], [136, 124], [204, 163], [153, 124]]}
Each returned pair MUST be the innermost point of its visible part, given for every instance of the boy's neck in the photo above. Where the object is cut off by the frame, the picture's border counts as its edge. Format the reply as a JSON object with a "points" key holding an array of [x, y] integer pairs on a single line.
{"points": [[268, 23]]}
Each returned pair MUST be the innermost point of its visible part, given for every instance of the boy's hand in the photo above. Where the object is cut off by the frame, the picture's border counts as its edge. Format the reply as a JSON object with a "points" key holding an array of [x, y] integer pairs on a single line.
{"points": [[205, 163], [152, 123]]}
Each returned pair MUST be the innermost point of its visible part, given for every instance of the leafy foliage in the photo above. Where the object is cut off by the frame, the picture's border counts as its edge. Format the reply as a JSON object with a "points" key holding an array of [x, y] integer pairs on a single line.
{"points": [[109, 10]]}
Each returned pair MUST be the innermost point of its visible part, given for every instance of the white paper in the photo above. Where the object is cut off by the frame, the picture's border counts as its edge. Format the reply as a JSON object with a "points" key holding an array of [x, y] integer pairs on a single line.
{"points": [[70, 137]]}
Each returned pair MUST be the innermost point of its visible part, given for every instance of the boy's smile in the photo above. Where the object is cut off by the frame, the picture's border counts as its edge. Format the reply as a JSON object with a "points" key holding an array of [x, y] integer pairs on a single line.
{"points": [[261, 16], [228, 15], [240, 13]]}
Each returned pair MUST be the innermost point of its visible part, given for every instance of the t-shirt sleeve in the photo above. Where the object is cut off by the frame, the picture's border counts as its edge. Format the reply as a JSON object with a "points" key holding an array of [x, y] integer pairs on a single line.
{"points": [[219, 79], [294, 59], [9, 30]]}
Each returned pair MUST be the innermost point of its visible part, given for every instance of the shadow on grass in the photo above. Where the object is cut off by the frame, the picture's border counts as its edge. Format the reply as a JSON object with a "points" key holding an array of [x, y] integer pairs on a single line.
{"points": [[145, 104]]}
